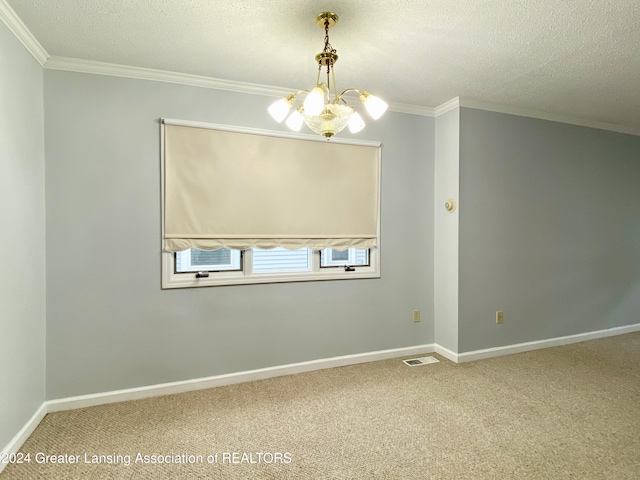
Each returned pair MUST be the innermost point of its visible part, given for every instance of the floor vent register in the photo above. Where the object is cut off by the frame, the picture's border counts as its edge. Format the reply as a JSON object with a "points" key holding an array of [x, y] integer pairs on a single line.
{"points": [[414, 362]]}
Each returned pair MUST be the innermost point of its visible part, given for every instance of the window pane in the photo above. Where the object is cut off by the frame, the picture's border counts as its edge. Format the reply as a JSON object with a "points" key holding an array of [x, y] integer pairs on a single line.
{"points": [[194, 260], [351, 257], [362, 256], [222, 256], [338, 256], [281, 260]]}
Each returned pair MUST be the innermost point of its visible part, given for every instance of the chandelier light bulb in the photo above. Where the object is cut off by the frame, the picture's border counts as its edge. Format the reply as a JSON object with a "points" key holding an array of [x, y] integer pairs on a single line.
{"points": [[294, 122], [314, 102], [356, 123], [280, 109], [375, 106]]}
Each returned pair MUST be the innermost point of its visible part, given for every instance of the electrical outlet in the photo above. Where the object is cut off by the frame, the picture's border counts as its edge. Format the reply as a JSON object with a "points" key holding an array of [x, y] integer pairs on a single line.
{"points": [[416, 316], [499, 317]]}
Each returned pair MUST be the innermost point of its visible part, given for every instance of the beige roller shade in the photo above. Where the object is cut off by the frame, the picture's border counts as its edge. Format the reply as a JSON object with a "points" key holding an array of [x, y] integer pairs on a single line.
{"points": [[242, 190]]}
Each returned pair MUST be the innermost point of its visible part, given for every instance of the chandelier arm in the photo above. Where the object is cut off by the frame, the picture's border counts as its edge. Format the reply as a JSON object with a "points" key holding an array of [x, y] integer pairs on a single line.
{"points": [[348, 90], [335, 85], [295, 94]]}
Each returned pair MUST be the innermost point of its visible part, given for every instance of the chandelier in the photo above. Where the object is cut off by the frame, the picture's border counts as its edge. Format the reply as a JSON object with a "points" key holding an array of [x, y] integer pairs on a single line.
{"points": [[323, 110]]}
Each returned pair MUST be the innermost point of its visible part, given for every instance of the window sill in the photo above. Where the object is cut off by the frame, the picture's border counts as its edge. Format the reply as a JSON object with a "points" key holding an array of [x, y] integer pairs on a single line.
{"points": [[189, 280]]}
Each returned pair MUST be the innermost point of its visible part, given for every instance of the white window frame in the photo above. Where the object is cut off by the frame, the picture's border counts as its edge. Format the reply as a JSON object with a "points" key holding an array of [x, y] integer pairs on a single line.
{"points": [[171, 279]]}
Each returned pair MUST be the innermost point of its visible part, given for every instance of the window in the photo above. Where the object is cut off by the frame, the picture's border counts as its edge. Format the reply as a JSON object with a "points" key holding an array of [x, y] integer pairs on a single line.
{"points": [[248, 206], [278, 260], [224, 266]]}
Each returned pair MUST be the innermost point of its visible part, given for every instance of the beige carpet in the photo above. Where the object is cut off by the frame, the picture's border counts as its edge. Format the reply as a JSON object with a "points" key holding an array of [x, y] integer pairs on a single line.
{"points": [[559, 413]]}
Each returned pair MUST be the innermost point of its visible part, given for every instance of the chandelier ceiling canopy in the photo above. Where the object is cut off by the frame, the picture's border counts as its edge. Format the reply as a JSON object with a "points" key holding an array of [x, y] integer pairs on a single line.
{"points": [[324, 110]]}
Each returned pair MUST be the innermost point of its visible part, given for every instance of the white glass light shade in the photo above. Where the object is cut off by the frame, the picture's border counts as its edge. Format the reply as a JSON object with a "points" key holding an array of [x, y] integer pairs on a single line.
{"points": [[294, 122], [356, 123], [375, 106], [280, 109], [314, 102], [333, 119]]}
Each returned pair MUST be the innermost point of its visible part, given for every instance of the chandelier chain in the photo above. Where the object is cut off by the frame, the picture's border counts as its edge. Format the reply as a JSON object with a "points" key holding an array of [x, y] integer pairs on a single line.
{"points": [[327, 47]]}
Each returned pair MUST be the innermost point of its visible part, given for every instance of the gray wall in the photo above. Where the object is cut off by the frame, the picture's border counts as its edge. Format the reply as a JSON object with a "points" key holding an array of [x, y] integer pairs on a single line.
{"points": [[549, 229], [22, 242], [110, 326]]}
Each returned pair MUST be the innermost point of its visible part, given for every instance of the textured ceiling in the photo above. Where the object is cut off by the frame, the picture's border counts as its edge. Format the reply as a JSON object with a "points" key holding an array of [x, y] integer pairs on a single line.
{"points": [[577, 58]]}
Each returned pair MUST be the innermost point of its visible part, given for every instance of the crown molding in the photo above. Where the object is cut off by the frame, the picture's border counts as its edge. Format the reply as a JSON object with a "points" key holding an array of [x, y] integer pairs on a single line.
{"points": [[412, 109], [530, 113], [116, 70], [552, 117], [447, 106], [112, 69], [22, 33], [102, 68]]}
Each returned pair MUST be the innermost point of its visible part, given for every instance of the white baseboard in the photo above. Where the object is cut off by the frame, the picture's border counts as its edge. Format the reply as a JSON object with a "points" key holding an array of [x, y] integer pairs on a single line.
{"points": [[200, 384], [446, 353], [263, 373], [229, 379], [551, 342], [16, 442]]}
